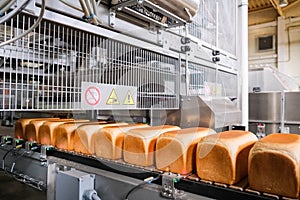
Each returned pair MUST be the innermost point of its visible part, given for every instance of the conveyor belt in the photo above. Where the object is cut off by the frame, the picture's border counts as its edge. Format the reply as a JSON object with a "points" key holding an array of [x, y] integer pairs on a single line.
{"points": [[190, 184]]}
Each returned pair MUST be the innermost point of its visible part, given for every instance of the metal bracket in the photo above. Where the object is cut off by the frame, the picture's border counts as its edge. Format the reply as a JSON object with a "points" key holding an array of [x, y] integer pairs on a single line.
{"points": [[261, 130], [125, 6], [44, 149], [112, 18], [6, 140], [168, 186], [30, 145]]}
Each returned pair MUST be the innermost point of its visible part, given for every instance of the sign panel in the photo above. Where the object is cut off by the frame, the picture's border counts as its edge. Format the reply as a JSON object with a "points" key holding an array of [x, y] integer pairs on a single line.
{"points": [[96, 96]]}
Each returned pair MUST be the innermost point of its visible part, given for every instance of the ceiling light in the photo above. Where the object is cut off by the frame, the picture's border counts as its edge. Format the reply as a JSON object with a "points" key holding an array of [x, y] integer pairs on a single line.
{"points": [[283, 3]]}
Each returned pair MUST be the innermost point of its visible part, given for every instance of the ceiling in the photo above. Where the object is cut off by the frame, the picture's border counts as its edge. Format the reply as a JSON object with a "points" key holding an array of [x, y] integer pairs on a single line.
{"points": [[260, 5]]}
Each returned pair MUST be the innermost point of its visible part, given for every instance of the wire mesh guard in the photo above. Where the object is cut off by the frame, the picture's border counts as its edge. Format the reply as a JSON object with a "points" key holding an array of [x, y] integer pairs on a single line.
{"points": [[211, 82], [44, 70], [213, 16]]}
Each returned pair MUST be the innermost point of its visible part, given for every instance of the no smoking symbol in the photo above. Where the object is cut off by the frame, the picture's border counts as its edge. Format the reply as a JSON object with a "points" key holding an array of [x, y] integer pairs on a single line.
{"points": [[92, 95]]}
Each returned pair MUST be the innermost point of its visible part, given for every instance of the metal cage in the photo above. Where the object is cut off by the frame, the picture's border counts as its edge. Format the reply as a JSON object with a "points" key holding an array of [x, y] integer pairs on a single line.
{"points": [[44, 70]]}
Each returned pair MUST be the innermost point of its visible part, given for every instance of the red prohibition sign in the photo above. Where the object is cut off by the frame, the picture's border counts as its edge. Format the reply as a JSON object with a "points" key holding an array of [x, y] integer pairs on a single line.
{"points": [[92, 95]]}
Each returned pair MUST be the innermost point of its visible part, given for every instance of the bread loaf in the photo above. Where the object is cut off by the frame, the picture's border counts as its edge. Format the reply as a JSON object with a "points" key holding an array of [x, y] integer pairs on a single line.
{"points": [[20, 126], [223, 157], [65, 134], [84, 137], [47, 131], [274, 165], [176, 150], [139, 144], [32, 129], [109, 140]]}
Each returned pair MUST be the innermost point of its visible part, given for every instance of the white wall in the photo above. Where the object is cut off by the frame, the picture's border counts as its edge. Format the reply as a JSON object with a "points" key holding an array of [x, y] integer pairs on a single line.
{"points": [[256, 57], [286, 55], [291, 64]]}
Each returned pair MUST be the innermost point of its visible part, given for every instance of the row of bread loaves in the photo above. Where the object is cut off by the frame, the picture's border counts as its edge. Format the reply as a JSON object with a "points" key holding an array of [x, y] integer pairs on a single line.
{"points": [[272, 163]]}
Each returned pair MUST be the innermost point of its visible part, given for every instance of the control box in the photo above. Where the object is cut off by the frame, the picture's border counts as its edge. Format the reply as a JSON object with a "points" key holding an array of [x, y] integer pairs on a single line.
{"points": [[72, 184]]}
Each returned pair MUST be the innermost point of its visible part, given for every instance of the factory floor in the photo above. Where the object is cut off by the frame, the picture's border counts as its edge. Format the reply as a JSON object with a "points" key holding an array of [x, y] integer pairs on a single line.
{"points": [[11, 189]]}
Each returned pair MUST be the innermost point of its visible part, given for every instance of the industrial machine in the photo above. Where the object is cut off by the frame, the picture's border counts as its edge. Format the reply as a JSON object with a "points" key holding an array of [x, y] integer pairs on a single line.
{"points": [[273, 100], [127, 60]]}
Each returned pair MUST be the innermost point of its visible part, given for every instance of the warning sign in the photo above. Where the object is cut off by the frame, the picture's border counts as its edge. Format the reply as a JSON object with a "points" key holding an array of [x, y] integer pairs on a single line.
{"points": [[92, 95], [113, 98], [107, 97], [128, 99]]}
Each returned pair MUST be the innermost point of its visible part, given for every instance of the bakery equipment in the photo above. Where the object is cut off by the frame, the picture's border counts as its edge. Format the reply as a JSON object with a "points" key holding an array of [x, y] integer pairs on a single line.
{"points": [[276, 110], [148, 59], [114, 179]]}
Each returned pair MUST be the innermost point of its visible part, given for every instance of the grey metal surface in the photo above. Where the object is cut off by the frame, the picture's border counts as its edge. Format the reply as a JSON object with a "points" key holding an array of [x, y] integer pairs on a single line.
{"points": [[11, 189], [292, 104], [265, 106], [270, 79], [113, 186], [275, 127], [275, 110], [73, 184], [213, 112], [28, 164]]}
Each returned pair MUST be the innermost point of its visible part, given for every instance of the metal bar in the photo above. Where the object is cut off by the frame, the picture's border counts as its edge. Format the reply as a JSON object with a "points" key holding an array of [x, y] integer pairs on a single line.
{"points": [[141, 16], [124, 4]]}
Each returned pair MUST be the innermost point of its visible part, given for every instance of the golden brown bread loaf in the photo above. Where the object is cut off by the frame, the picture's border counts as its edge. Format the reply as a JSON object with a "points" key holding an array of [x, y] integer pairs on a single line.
{"points": [[223, 157], [109, 140], [20, 126], [47, 131], [84, 137], [32, 129], [176, 150], [274, 165], [65, 134], [139, 144]]}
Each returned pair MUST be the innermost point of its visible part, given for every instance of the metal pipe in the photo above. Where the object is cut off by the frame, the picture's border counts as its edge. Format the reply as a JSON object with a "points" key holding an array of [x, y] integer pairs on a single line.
{"points": [[243, 8], [4, 3], [217, 46], [15, 11], [43, 8], [7, 7], [114, 2], [282, 129]]}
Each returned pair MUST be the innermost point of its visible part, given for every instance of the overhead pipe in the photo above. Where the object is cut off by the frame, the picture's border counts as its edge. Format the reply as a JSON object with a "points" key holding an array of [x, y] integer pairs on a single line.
{"points": [[243, 44]]}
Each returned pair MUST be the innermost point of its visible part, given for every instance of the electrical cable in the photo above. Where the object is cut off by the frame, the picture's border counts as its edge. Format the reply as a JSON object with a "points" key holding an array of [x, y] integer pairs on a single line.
{"points": [[7, 7], [43, 8], [98, 3], [84, 8], [71, 5], [95, 197], [5, 155], [4, 3], [95, 7], [89, 6], [146, 181], [11, 14]]}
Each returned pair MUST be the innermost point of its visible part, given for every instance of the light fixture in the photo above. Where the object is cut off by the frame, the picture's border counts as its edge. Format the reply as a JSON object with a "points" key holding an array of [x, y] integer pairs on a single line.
{"points": [[283, 3]]}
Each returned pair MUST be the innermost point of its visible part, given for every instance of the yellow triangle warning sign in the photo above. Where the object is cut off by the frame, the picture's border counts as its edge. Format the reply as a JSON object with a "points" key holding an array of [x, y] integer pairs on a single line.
{"points": [[113, 98], [128, 99]]}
